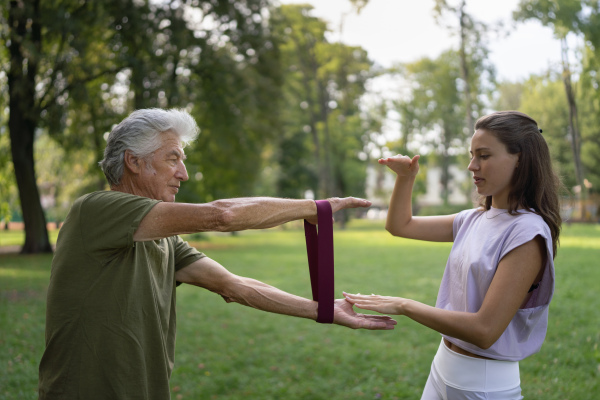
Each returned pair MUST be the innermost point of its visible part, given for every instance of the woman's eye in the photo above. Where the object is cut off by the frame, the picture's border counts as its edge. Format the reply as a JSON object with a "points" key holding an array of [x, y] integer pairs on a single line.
{"points": [[484, 156]]}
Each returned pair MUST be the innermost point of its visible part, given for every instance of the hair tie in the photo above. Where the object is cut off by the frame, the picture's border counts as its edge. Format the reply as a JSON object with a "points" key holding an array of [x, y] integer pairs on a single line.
{"points": [[540, 130]]}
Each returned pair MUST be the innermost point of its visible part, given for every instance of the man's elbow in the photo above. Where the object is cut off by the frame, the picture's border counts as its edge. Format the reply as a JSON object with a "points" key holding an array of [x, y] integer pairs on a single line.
{"points": [[223, 219], [233, 290]]}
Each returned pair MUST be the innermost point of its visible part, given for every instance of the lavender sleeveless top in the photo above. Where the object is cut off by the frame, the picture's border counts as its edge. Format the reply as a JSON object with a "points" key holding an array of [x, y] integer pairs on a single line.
{"points": [[481, 240]]}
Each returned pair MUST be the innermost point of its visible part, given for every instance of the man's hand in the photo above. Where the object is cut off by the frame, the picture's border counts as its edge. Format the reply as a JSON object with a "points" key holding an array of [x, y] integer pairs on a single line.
{"points": [[343, 314], [339, 203]]}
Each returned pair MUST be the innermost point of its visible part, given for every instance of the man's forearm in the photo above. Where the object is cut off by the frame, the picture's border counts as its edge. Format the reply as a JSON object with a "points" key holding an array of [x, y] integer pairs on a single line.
{"points": [[259, 295], [229, 215], [260, 212]]}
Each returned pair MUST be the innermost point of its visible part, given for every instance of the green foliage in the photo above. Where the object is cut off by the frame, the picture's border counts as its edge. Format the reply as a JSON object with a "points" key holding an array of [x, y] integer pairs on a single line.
{"points": [[562, 15], [543, 98], [8, 192], [589, 106], [229, 351], [579, 18], [278, 103], [322, 132], [433, 114]]}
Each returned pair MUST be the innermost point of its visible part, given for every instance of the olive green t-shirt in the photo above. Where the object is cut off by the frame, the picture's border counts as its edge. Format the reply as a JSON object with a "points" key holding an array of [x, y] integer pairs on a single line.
{"points": [[110, 317]]}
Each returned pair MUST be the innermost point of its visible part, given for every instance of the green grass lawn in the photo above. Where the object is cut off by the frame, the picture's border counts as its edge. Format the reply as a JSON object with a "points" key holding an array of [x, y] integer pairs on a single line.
{"points": [[227, 351]]}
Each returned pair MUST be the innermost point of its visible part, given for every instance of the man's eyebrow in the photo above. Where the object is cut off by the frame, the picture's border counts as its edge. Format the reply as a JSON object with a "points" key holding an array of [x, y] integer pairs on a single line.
{"points": [[178, 154]]}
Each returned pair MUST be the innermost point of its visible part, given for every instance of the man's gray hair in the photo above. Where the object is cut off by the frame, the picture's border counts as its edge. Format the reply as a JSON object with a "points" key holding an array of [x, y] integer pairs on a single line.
{"points": [[140, 134]]}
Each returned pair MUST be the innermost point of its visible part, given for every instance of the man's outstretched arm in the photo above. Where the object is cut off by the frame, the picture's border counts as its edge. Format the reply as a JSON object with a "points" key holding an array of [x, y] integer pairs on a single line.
{"points": [[211, 275], [169, 219]]}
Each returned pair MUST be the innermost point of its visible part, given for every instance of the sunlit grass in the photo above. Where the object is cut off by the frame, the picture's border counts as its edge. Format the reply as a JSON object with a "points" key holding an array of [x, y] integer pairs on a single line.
{"points": [[17, 237], [227, 351]]}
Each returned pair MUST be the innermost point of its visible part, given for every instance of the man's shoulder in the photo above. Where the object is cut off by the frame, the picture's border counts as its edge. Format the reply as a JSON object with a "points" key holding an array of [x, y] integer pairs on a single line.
{"points": [[110, 196]]}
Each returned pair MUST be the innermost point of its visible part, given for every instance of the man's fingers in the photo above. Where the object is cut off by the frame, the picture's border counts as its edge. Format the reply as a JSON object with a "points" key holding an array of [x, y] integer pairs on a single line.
{"points": [[353, 202], [381, 318], [373, 323], [347, 202]]}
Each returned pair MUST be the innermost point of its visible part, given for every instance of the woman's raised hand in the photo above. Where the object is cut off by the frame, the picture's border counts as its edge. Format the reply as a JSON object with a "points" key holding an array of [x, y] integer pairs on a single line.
{"points": [[402, 165]]}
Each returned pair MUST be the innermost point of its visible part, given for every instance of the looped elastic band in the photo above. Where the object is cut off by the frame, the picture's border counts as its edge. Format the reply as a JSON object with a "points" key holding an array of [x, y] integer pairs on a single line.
{"points": [[319, 248]]}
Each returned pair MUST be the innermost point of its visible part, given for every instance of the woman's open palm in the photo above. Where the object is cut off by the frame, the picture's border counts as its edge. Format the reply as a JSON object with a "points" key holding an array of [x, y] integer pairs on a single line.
{"points": [[402, 165]]}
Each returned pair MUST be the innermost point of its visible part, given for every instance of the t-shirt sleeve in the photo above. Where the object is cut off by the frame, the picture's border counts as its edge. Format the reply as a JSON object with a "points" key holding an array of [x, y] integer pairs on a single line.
{"points": [[185, 254], [109, 219], [458, 221], [525, 230]]}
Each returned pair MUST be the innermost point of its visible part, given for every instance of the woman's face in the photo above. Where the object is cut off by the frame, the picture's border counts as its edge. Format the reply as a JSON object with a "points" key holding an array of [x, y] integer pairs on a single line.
{"points": [[492, 167]]}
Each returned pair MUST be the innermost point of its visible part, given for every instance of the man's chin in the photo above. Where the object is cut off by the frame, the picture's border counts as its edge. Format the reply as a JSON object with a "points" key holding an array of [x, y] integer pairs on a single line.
{"points": [[170, 198]]}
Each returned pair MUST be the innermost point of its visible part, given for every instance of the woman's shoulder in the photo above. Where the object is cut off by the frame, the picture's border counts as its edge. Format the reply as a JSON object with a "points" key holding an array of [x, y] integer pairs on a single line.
{"points": [[465, 218], [468, 214], [531, 219]]}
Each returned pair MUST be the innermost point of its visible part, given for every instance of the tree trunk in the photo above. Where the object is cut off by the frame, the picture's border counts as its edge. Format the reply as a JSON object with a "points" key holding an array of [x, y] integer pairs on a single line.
{"points": [[574, 127], [24, 48], [327, 179], [464, 68], [445, 166]]}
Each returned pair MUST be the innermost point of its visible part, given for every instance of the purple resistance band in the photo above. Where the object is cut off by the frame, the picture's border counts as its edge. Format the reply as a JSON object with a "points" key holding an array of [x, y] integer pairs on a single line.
{"points": [[319, 248]]}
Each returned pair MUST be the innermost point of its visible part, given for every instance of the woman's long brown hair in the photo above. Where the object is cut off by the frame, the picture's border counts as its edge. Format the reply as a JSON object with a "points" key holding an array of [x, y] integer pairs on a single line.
{"points": [[535, 185]]}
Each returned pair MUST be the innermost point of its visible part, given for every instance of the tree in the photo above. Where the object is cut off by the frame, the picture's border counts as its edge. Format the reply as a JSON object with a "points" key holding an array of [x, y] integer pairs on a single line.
{"points": [[433, 113], [323, 83], [472, 52], [300, 36], [24, 44], [475, 75], [590, 117], [565, 17], [69, 75], [542, 97]]}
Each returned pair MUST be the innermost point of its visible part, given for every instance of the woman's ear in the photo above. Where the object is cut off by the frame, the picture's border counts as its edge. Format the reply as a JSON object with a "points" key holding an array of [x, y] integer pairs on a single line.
{"points": [[132, 162]]}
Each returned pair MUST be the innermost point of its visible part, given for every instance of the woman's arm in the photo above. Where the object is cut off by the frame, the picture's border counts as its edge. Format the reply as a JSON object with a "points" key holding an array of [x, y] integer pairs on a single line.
{"points": [[516, 273], [400, 221]]}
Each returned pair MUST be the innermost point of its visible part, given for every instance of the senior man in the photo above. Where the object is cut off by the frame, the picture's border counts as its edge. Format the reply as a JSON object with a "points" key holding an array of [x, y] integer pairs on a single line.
{"points": [[110, 319]]}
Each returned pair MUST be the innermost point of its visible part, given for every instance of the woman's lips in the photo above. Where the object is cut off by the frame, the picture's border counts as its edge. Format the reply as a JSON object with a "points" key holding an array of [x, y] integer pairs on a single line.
{"points": [[478, 180]]}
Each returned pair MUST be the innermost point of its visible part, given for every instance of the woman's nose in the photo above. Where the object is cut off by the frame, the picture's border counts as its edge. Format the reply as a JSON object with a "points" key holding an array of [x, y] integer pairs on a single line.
{"points": [[473, 166]]}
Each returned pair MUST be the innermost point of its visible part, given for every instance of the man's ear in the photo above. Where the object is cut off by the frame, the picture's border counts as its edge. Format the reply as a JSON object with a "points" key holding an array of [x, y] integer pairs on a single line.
{"points": [[132, 162]]}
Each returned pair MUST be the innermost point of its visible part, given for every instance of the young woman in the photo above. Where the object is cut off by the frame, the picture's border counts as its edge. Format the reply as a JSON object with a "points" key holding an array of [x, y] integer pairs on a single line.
{"points": [[492, 306]]}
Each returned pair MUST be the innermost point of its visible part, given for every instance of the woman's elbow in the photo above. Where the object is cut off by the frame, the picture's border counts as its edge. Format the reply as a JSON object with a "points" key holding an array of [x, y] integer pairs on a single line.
{"points": [[398, 226], [393, 230], [486, 337]]}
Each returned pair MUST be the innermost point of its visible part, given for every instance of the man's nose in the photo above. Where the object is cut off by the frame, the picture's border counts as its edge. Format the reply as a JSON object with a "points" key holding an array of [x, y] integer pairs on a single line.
{"points": [[181, 173]]}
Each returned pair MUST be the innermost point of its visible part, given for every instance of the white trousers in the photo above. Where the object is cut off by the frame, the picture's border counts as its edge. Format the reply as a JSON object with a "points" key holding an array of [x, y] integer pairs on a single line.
{"points": [[455, 376]]}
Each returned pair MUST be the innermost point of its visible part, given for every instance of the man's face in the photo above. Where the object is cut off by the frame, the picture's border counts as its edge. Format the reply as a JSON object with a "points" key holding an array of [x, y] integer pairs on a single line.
{"points": [[162, 174]]}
